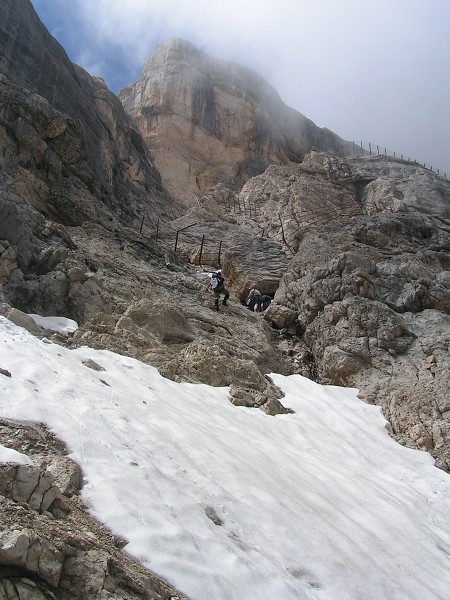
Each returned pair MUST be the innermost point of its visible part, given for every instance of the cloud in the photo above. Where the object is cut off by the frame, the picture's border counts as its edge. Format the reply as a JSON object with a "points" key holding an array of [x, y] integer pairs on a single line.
{"points": [[371, 71]]}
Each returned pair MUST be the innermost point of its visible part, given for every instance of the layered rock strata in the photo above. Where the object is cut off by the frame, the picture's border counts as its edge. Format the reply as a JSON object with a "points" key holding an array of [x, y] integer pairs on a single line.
{"points": [[70, 154], [369, 282]]}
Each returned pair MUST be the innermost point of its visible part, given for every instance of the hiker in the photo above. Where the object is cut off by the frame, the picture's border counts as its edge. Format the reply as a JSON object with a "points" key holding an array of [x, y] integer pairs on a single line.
{"points": [[256, 301], [216, 284]]}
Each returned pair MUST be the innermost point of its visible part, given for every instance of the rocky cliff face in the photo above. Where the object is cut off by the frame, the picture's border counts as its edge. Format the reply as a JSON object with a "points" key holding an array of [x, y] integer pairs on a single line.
{"points": [[70, 154], [369, 283], [208, 121], [355, 252]]}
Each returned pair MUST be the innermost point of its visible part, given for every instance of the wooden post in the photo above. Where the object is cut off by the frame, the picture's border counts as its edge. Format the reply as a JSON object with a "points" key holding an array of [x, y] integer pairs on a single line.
{"points": [[220, 250]]}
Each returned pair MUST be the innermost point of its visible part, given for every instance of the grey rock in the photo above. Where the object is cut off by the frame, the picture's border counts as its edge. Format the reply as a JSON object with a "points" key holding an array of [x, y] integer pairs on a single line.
{"points": [[279, 316], [23, 548], [371, 289], [30, 484], [26, 480], [27, 590], [20, 318]]}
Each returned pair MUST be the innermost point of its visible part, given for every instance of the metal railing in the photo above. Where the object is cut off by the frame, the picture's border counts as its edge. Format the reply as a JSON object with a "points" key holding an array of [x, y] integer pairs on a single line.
{"points": [[201, 249], [369, 149], [287, 229]]}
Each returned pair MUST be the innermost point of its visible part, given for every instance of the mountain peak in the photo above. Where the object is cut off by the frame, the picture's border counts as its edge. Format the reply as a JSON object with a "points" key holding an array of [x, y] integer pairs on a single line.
{"points": [[209, 120]]}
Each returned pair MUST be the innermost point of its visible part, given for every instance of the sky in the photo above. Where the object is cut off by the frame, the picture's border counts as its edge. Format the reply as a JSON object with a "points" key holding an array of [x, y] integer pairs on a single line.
{"points": [[371, 71], [321, 504]]}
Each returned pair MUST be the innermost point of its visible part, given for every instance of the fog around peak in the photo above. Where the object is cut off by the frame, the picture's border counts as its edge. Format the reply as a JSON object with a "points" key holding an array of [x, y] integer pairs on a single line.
{"points": [[369, 71]]}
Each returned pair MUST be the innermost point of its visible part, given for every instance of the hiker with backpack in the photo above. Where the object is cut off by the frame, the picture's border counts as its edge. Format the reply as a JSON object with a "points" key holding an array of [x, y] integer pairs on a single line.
{"points": [[217, 285], [256, 301]]}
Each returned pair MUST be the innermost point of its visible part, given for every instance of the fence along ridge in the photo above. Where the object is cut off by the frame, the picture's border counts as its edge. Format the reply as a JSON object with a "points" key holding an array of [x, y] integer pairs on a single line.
{"points": [[368, 149], [358, 149]]}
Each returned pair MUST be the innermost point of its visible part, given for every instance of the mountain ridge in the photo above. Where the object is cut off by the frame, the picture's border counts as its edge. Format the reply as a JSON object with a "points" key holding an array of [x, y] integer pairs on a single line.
{"points": [[354, 250]]}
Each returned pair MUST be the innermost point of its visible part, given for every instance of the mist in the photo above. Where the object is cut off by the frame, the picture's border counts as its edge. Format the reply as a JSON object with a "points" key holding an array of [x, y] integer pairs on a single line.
{"points": [[370, 71]]}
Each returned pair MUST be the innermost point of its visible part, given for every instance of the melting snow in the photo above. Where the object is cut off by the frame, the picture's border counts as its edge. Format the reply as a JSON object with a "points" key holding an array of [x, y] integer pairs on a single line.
{"points": [[228, 503]]}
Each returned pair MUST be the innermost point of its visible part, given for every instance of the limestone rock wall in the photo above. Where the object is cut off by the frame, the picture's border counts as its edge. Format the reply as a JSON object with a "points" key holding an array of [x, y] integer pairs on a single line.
{"points": [[369, 282], [208, 121], [70, 154]]}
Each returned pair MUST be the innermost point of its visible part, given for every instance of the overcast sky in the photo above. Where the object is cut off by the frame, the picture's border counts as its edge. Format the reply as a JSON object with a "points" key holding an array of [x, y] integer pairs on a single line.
{"points": [[370, 70]]}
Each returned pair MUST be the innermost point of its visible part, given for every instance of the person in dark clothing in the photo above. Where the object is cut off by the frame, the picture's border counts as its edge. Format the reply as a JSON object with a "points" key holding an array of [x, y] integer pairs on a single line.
{"points": [[256, 301], [217, 285]]}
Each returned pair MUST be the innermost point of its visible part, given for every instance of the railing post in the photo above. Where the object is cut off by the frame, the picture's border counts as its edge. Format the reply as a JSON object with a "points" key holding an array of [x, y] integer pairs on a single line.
{"points": [[201, 250], [220, 250], [178, 231], [282, 234], [142, 224]]}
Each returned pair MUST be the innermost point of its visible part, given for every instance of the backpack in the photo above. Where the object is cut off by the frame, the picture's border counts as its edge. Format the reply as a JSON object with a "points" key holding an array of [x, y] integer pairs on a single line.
{"points": [[216, 281]]}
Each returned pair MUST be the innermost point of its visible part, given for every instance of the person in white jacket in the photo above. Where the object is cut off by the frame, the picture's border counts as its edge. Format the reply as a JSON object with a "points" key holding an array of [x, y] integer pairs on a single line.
{"points": [[217, 285]]}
